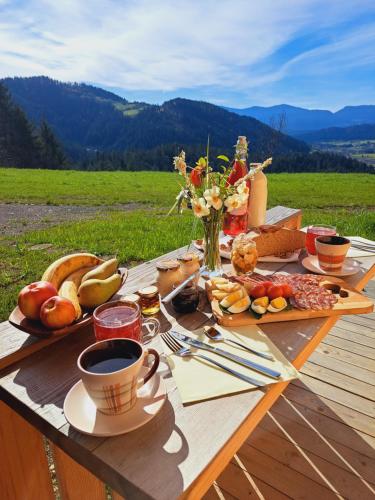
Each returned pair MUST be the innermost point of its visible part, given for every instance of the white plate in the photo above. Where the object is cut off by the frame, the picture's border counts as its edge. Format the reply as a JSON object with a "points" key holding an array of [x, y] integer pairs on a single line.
{"points": [[82, 414], [349, 267]]}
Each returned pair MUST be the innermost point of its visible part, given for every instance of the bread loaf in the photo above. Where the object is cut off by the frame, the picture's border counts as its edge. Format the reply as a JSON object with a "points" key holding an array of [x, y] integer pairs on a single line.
{"points": [[274, 240]]}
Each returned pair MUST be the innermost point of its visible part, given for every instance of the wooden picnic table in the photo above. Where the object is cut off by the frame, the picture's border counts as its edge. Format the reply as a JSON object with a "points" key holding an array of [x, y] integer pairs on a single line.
{"points": [[178, 454]]}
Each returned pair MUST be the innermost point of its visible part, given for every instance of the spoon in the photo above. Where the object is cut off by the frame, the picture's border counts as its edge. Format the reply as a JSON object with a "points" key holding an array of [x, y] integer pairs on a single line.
{"points": [[216, 336]]}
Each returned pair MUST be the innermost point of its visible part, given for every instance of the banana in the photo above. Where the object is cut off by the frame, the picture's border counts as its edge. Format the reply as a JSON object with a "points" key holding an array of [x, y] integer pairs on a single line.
{"points": [[103, 271], [63, 267], [94, 292], [69, 288]]}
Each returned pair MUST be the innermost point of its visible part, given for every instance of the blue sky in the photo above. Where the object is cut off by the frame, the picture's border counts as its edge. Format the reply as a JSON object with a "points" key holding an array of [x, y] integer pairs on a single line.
{"points": [[309, 53]]}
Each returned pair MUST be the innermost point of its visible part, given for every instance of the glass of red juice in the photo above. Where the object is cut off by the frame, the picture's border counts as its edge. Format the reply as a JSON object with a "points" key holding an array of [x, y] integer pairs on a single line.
{"points": [[313, 232], [120, 319]]}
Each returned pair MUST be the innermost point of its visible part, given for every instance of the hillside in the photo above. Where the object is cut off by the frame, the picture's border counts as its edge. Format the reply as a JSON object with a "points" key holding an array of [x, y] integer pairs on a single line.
{"points": [[301, 120], [357, 132], [87, 117]]}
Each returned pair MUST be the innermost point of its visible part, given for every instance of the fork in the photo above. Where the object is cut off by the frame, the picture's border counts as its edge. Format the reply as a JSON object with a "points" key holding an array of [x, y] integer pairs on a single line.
{"points": [[185, 352]]}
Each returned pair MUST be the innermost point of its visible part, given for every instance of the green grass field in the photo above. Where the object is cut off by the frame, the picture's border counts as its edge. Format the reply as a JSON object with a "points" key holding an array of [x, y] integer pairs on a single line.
{"points": [[346, 200]]}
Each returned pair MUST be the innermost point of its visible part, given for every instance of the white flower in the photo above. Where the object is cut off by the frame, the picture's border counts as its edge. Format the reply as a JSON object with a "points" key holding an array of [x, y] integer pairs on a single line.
{"points": [[200, 208], [212, 197], [179, 163], [243, 188], [235, 201]]}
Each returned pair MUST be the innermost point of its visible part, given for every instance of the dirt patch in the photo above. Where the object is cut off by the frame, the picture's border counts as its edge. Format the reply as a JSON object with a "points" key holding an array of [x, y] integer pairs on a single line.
{"points": [[18, 218]]}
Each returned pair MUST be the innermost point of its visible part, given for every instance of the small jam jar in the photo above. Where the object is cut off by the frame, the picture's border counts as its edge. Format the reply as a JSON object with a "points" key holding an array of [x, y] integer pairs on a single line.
{"points": [[149, 300], [190, 264], [134, 298], [169, 274]]}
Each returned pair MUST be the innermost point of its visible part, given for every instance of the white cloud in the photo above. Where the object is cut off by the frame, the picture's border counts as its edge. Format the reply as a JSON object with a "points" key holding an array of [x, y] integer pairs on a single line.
{"points": [[165, 44]]}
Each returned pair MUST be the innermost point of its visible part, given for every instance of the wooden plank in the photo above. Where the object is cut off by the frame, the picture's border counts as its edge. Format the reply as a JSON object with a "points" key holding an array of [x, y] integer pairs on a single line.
{"points": [[241, 484], [347, 345], [353, 328], [357, 338], [341, 381], [327, 424], [24, 472], [336, 411], [311, 439], [75, 482], [312, 466], [339, 366], [337, 395], [346, 356], [280, 476]]}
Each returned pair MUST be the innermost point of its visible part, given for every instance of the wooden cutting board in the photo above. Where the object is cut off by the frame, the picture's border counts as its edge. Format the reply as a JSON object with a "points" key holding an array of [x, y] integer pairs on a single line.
{"points": [[352, 302]]}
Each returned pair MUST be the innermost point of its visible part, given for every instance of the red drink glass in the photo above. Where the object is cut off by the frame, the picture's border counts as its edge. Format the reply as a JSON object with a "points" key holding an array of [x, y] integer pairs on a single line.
{"points": [[120, 319], [313, 232]]}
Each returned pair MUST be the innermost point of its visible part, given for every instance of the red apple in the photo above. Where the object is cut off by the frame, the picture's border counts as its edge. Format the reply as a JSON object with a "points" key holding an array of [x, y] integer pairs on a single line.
{"points": [[57, 312], [31, 298]]}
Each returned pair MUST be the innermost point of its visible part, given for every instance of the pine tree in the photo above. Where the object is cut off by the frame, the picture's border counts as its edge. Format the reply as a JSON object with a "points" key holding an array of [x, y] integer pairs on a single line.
{"points": [[18, 145], [51, 150]]}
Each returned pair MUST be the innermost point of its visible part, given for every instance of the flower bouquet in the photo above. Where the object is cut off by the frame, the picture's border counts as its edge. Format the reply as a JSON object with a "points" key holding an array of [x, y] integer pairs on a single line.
{"points": [[209, 194]]}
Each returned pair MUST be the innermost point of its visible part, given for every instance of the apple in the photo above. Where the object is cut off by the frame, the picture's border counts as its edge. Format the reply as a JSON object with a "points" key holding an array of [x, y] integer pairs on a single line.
{"points": [[57, 312], [31, 298]]}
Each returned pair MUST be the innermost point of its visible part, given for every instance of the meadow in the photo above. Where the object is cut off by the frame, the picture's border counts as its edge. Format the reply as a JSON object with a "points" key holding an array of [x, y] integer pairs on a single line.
{"points": [[345, 200]]}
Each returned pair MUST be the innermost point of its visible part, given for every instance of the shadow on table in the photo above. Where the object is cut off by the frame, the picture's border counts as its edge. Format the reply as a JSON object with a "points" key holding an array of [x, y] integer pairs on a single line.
{"points": [[305, 447], [150, 456]]}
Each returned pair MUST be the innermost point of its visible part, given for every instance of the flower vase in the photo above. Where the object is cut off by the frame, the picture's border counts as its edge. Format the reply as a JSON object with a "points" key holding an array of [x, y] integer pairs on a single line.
{"points": [[212, 260]]}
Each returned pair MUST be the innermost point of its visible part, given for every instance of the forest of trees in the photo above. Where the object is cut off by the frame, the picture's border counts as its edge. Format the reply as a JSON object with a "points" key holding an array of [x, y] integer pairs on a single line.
{"points": [[24, 145]]}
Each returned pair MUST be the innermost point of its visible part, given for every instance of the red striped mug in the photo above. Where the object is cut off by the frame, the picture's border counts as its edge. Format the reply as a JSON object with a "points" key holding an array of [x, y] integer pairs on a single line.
{"points": [[331, 252]]}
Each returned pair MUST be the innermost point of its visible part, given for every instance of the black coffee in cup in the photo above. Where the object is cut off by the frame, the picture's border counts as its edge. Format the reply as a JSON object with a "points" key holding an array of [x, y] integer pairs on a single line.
{"points": [[333, 240], [112, 356]]}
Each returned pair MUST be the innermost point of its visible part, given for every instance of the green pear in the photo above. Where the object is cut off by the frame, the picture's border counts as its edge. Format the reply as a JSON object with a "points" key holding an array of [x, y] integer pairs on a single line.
{"points": [[102, 272], [94, 292]]}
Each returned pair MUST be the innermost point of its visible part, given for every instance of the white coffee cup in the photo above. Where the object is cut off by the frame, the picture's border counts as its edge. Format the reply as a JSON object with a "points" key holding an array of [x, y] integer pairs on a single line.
{"points": [[110, 373]]}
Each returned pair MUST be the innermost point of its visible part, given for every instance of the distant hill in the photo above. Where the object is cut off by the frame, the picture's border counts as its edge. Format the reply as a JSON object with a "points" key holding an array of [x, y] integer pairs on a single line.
{"points": [[355, 133], [94, 119], [301, 120]]}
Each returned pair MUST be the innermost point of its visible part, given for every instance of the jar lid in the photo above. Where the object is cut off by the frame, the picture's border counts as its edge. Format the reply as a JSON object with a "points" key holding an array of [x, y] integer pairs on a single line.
{"points": [[133, 297], [189, 257], [148, 291], [167, 265]]}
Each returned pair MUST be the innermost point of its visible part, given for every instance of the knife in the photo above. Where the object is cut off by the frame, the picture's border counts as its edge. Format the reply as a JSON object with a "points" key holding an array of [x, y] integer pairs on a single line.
{"points": [[233, 357]]}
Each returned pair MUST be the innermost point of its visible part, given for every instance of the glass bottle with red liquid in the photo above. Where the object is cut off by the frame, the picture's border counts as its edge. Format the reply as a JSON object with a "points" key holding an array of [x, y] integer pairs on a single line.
{"points": [[235, 222]]}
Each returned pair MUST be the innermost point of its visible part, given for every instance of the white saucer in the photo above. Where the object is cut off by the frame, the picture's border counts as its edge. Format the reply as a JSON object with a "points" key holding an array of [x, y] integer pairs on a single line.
{"points": [[349, 267], [82, 414]]}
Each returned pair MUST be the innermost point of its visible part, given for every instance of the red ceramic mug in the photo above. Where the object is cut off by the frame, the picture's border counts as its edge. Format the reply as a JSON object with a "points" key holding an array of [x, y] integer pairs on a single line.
{"points": [[331, 252]]}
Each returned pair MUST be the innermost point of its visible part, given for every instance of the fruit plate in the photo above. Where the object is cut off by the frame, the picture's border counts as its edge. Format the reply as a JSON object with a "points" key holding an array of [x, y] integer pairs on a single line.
{"points": [[36, 328]]}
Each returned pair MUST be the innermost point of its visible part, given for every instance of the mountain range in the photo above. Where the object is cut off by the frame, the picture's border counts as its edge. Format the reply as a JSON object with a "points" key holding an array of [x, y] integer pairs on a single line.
{"points": [[298, 121], [354, 133], [83, 116]]}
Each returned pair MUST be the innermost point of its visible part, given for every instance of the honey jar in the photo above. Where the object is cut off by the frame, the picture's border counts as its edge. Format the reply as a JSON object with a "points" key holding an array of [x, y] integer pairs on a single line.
{"points": [[169, 274], [190, 263], [149, 300]]}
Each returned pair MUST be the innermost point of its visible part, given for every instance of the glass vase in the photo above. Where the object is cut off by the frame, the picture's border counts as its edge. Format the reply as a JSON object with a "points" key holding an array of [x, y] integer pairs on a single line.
{"points": [[212, 260]]}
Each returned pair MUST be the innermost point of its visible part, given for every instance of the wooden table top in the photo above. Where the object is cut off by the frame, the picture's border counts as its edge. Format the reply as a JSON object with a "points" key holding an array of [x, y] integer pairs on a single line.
{"points": [[169, 454]]}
